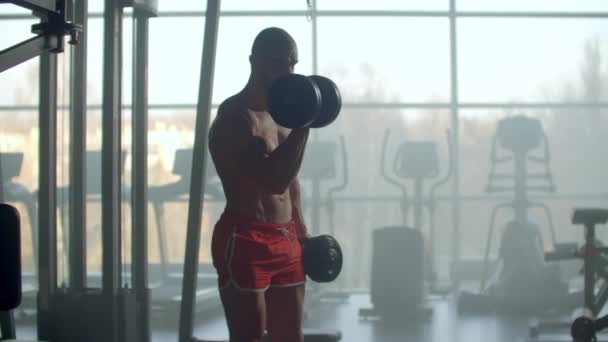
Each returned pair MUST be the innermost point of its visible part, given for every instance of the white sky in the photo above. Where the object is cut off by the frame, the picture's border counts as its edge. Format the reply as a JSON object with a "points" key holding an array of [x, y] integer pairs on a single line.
{"points": [[499, 59]]}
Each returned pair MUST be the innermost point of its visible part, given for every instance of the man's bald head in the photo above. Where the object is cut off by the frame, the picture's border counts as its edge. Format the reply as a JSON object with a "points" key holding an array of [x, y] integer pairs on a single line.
{"points": [[273, 53], [272, 40]]}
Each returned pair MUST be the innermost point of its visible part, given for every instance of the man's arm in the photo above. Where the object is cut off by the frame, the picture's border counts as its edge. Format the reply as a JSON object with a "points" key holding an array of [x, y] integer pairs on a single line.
{"points": [[296, 203], [274, 170]]}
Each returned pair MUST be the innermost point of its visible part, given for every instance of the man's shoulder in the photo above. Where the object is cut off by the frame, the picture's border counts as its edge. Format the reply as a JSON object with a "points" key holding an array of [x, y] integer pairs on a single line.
{"points": [[233, 111], [232, 105], [231, 116]]}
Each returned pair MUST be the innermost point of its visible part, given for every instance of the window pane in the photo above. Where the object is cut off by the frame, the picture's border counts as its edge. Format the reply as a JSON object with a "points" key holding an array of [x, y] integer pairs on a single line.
{"points": [[174, 65], [19, 84], [530, 60], [388, 59], [533, 5], [127, 62], [182, 5], [95, 56], [95, 61], [384, 5], [15, 31], [13, 9], [233, 5], [92, 179], [265, 5], [97, 6]]}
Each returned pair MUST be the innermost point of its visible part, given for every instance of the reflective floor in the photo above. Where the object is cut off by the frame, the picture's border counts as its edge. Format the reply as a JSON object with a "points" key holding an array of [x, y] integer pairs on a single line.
{"points": [[443, 325]]}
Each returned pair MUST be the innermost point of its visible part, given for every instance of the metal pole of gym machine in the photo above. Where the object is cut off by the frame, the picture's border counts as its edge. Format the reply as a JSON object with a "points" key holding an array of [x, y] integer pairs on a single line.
{"points": [[78, 125], [110, 176], [47, 255], [139, 180], [199, 165]]}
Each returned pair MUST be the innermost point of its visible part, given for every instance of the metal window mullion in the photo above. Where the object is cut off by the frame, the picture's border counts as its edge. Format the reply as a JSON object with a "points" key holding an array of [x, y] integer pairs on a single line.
{"points": [[369, 105], [397, 13], [537, 14], [197, 176], [346, 13], [456, 209]]}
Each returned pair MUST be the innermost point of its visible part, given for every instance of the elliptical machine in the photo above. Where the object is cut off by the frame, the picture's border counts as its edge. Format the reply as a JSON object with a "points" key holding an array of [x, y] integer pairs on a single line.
{"points": [[403, 268], [321, 163], [519, 284]]}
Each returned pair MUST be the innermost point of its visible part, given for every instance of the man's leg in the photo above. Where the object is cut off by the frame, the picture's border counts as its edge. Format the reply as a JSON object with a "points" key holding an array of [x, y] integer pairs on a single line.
{"points": [[245, 314], [284, 312]]}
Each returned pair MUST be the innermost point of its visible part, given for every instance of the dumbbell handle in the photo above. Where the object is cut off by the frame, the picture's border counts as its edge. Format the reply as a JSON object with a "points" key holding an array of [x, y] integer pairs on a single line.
{"points": [[601, 323]]}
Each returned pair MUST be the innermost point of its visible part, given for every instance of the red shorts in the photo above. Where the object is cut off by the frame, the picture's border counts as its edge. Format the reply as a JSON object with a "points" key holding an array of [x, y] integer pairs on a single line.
{"points": [[254, 256]]}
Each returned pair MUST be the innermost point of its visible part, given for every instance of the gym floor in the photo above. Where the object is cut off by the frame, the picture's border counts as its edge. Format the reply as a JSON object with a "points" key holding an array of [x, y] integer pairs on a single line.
{"points": [[443, 325]]}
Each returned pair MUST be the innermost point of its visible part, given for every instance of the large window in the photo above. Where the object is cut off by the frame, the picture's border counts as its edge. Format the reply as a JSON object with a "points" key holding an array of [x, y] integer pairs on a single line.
{"points": [[418, 68]]}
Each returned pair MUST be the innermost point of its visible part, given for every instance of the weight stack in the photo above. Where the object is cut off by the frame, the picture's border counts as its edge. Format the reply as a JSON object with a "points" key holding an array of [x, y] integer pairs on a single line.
{"points": [[397, 277]]}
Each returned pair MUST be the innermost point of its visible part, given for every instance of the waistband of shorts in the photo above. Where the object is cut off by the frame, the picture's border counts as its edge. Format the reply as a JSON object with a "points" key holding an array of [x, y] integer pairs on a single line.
{"points": [[232, 219]]}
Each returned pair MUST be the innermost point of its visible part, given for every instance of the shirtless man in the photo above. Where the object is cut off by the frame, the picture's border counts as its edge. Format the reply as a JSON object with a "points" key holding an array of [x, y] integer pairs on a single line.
{"points": [[256, 246]]}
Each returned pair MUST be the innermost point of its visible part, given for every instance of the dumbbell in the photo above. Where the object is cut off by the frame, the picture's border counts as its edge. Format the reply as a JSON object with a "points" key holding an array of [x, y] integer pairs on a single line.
{"points": [[583, 330], [322, 258], [299, 101]]}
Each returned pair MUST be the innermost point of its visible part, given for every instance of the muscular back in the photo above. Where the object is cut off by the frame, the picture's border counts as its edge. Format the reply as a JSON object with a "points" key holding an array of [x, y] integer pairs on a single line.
{"points": [[241, 143]]}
